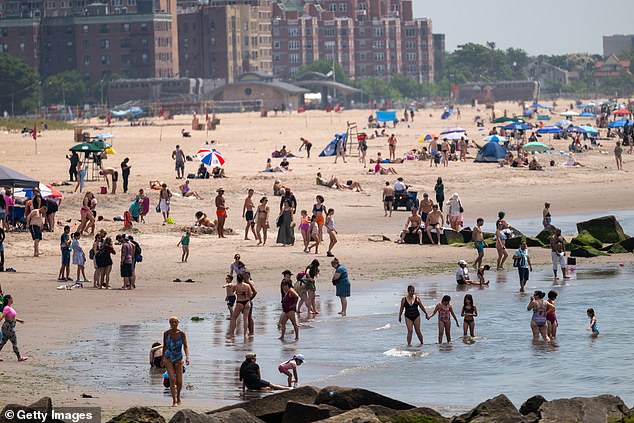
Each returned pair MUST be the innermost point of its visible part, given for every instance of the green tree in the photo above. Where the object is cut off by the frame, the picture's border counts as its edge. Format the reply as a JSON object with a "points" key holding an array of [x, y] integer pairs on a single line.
{"points": [[476, 62], [406, 86], [324, 66], [20, 86], [376, 89], [65, 88]]}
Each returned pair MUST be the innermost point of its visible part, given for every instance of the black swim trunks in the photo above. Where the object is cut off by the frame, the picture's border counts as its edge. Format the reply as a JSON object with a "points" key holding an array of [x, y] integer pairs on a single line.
{"points": [[248, 215]]}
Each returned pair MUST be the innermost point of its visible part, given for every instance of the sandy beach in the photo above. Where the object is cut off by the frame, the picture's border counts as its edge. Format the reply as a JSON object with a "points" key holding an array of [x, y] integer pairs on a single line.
{"points": [[55, 318]]}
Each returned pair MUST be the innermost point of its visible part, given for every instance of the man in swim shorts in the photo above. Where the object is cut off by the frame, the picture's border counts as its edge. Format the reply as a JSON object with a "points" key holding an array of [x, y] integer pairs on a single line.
{"points": [[435, 220], [558, 253], [413, 226], [478, 240], [425, 207], [388, 198], [247, 213]]}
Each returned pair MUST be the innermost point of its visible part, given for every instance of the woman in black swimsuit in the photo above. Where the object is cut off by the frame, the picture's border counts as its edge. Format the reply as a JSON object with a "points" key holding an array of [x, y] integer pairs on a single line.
{"points": [[469, 311], [410, 304]]}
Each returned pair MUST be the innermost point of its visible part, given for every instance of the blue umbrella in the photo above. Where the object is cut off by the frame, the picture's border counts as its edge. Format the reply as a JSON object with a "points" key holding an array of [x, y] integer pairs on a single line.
{"points": [[587, 114], [589, 129], [617, 123], [495, 138], [549, 130], [517, 126], [576, 130]]}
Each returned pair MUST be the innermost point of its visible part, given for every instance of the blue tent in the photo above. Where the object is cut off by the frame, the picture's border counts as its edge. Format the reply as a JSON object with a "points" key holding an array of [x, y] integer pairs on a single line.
{"points": [[491, 152], [386, 115], [331, 148], [549, 130]]}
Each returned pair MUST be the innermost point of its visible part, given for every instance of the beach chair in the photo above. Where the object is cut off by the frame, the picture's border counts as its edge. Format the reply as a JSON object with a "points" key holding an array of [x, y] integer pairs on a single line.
{"points": [[16, 217]]}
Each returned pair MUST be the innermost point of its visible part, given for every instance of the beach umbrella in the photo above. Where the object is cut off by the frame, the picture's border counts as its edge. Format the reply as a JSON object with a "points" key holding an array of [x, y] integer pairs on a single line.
{"points": [[454, 136], [617, 123], [46, 191], [589, 129], [102, 137], [549, 130], [584, 105], [210, 157], [452, 130], [569, 113], [543, 117], [576, 130], [91, 147], [517, 126], [495, 138], [427, 137], [621, 112], [563, 123], [587, 115], [535, 147]]}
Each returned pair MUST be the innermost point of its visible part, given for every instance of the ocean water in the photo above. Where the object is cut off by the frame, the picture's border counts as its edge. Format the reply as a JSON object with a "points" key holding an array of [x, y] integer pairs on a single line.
{"points": [[368, 348]]}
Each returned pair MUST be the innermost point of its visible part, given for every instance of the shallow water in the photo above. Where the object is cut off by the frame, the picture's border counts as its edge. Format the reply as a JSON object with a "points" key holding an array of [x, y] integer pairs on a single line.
{"points": [[567, 223], [368, 348]]}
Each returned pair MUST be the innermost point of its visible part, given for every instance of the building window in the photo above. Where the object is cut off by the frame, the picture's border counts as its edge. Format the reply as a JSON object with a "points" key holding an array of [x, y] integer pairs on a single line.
{"points": [[185, 42], [131, 2], [343, 7], [378, 44], [363, 6], [105, 59], [143, 27], [125, 43], [276, 44], [380, 69], [362, 57], [378, 31], [212, 41], [410, 32], [248, 91], [380, 56], [411, 68], [276, 58], [125, 27], [117, 2], [293, 45], [276, 32], [69, 44], [105, 43], [144, 43], [104, 28], [293, 32], [22, 31], [21, 47], [144, 58], [125, 59], [361, 32], [293, 58], [293, 71], [86, 44], [410, 44], [332, 7], [86, 60], [411, 57], [330, 32], [85, 29], [329, 45]]}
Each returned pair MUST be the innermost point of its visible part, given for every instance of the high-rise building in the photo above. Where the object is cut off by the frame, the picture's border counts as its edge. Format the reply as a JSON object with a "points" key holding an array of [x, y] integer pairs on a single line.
{"points": [[130, 38], [617, 44], [367, 38], [224, 39]]}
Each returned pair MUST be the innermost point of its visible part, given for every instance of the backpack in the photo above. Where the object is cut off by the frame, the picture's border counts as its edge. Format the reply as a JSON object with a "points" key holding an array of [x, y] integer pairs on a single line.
{"points": [[300, 277], [137, 252], [91, 254]]}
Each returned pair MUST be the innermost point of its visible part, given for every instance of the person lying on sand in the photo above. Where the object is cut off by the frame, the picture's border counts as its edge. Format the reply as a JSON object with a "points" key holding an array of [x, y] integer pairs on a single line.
{"points": [[203, 220]]}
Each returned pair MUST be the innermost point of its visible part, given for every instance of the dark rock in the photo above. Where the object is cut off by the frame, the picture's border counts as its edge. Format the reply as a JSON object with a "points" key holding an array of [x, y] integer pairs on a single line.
{"points": [[583, 410], [237, 415], [586, 240], [545, 235], [413, 239], [489, 243], [422, 414], [606, 229], [488, 235], [271, 407], [40, 406], [467, 235], [351, 398], [581, 251], [495, 410], [358, 415], [45, 404], [616, 249], [532, 405], [307, 413], [534, 242], [627, 244], [450, 237], [138, 415], [514, 243]]}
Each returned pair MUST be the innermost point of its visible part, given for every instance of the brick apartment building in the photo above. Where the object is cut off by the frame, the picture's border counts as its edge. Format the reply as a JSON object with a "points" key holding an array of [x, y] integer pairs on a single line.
{"points": [[131, 38], [366, 37], [224, 39]]}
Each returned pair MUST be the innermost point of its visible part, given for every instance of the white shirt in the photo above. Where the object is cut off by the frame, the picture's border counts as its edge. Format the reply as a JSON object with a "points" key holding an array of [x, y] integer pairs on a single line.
{"points": [[462, 273], [400, 186]]}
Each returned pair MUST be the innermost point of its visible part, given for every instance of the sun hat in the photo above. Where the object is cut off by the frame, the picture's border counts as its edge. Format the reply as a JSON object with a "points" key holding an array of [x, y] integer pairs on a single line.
{"points": [[299, 357], [462, 263]]}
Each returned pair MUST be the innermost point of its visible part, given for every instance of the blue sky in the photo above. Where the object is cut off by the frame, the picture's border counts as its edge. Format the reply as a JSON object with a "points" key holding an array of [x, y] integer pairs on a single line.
{"points": [[543, 26]]}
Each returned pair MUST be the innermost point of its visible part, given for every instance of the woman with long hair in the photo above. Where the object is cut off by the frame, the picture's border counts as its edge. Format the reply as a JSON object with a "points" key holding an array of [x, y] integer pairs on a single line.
{"points": [[500, 246], [8, 327]]}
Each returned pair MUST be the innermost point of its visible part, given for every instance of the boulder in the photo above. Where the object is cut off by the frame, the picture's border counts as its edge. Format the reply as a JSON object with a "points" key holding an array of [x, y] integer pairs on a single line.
{"points": [[45, 404], [495, 410], [545, 235], [358, 415], [138, 415], [489, 243], [627, 244], [413, 239], [351, 398], [514, 243], [532, 405], [583, 410], [585, 239], [606, 229], [306, 413], [271, 407], [237, 415], [616, 249], [467, 235], [450, 237], [488, 235], [419, 414], [583, 251], [534, 242]]}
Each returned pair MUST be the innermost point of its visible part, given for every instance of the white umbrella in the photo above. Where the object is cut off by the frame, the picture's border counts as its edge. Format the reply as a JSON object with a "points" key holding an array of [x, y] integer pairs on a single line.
{"points": [[455, 136]]}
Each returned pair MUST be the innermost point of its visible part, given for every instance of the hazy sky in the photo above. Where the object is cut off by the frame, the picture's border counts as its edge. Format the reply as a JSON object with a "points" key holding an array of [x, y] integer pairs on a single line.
{"points": [[537, 26]]}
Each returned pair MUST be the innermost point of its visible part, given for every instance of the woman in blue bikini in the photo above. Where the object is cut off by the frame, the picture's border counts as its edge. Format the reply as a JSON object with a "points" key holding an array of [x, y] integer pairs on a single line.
{"points": [[539, 306], [175, 341]]}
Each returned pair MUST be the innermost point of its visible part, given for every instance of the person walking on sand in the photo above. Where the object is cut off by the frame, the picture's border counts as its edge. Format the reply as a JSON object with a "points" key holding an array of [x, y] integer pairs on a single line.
{"points": [[81, 177], [454, 212], [391, 143], [410, 304], [8, 327], [558, 254], [445, 148], [248, 215], [221, 212], [179, 158], [79, 258], [125, 173], [262, 219], [184, 244], [342, 282], [445, 312], [174, 343], [538, 322], [332, 232], [433, 149], [285, 234], [35, 222], [618, 155], [522, 261], [165, 200], [340, 149], [66, 248], [439, 188], [318, 210], [388, 198], [478, 239]]}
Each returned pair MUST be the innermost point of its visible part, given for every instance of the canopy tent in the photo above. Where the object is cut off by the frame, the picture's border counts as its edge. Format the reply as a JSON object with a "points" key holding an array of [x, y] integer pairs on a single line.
{"points": [[133, 112], [585, 105], [11, 178], [331, 148], [386, 115], [549, 130], [495, 138], [563, 123], [490, 152]]}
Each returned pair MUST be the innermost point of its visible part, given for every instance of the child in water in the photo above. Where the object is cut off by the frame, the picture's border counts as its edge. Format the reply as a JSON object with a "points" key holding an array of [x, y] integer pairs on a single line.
{"points": [[184, 244], [593, 323], [230, 296], [551, 317], [286, 367], [481, 270], [445, 312], [469, 311]]}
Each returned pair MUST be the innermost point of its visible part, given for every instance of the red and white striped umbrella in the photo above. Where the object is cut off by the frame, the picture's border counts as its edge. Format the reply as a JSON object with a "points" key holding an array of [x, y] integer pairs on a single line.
{"points": [[210, 157], [46, 191]]}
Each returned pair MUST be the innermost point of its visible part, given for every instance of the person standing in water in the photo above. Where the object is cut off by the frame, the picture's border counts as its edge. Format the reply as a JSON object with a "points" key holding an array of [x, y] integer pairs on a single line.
{"points": [[175, 342], [469, 311], [478, 240], [590, 312], [538, 322], [522, 261], [332, 232], [292, 364], [558, 253], [342, 282], [551, 317], [410, 304], [445, 312], [8, 327], [289, 305]]}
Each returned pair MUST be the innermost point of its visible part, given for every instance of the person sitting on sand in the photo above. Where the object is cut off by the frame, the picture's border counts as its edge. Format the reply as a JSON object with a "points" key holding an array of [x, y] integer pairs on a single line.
{"points": [[251, 378], [332, 183], [380, 170], [218, 172], [351, 185], [203, 220], [202, 172], [572, 161], [278, 187], [285, 165], [282, 152], [269, 167], [435, 220], [187, 191], [185, 134], [534, 165]]}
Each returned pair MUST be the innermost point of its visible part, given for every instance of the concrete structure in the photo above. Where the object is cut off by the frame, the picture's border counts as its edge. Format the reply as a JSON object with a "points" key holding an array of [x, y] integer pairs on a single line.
{"points": [[617, 44], [366, 37], [439, 55], [256, 87], [132, 38], [225, 40], [490, 92], [549, 76]]}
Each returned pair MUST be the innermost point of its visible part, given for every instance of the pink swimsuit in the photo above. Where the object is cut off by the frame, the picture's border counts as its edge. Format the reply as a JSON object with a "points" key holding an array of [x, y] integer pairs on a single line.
{"points": [[9, 313]]}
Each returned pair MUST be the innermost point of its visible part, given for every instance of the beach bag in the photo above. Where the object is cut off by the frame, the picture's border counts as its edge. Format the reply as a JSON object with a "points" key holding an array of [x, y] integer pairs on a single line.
{"points": [[158, 208], [91, 254], [460, 205], [278, 221], [518, 261], [300, 277]]}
